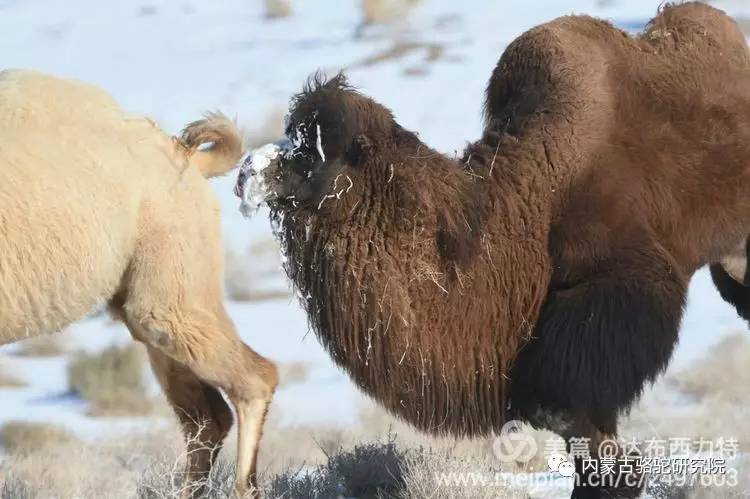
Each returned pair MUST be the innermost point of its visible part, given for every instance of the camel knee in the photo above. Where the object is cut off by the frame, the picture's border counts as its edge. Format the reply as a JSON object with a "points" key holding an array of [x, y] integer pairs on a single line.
{"points": [[188, 335], [208, 345], [254, 378]]}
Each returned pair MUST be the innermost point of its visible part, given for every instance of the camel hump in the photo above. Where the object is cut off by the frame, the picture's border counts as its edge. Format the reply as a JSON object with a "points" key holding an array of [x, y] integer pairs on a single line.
{"points": [[695, 24], [30, 98], [548, 71], [222, 138]]}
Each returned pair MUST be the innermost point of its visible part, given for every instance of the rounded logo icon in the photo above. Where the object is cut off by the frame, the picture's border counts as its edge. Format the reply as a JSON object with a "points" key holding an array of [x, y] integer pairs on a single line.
{"points": [[555, 460], [567, 469], [514, 444]]}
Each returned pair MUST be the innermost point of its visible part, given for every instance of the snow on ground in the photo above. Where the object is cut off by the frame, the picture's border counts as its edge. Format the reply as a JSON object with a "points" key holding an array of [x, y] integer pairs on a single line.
{"points": [[174, 59]]}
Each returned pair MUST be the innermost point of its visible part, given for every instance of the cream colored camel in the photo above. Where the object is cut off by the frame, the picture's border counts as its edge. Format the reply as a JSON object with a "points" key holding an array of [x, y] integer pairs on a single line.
{"points": [[99, 207]]}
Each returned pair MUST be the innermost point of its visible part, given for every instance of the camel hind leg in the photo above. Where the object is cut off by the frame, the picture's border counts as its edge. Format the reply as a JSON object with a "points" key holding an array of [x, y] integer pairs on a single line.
{"points": [[173, 303], [204, 416], [216, 356]]}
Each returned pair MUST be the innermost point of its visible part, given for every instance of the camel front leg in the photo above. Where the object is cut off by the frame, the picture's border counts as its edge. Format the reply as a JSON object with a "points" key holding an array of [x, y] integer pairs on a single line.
{"points": [[609, 470], [598, 341]]}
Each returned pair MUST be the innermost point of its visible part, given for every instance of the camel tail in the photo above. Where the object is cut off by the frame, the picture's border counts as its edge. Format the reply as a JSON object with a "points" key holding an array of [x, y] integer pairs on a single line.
{"points": [[222, 141]]}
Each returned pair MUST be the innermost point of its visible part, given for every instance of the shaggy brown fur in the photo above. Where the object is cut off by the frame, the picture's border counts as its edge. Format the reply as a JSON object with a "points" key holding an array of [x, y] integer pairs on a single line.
{"points": [[543, 275], [99, 206]]}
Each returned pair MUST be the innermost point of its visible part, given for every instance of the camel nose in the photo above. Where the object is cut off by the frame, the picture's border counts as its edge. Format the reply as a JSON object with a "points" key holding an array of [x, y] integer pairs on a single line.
{"points": [[246, 168], [239, 186]]}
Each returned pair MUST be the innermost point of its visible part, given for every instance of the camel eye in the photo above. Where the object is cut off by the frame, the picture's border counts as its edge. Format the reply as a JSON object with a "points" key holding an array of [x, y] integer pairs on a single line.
{"points": [[306, 139]]}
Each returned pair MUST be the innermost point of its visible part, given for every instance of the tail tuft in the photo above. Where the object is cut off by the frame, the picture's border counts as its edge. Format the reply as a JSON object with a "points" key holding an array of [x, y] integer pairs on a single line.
{"points": [[225, 139]]}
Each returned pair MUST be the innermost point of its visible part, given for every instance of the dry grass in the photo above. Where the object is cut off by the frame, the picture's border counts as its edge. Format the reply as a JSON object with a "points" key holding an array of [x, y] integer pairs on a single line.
{"points": [[424, 473], [150, 467], [49, 345], [253, 274], [384, 11], [708, 399], [275, 9], [77, 470], [382, 457], [112, 381], [20, 437]]}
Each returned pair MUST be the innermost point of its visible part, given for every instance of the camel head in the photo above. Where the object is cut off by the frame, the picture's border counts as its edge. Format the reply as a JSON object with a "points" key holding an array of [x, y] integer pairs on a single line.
{"points": [[331, 155]]}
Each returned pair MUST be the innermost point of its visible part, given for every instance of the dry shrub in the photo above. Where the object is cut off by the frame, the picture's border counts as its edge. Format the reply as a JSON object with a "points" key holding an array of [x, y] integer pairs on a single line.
{"points": [[293, 447], [112, 381], [383, 11], [723, 375], [48, 345], [15, 488], [253, 274], [148, 466], [275, 9], [293, 373], [151, 467], [76, 469], [368, 470], [401, 49], [21, 437], [388, 469], [164, 478], [376, 423], [8, 379]]}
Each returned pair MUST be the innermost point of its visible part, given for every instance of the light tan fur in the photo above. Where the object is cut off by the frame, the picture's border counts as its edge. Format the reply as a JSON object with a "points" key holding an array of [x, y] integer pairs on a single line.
{"points": [[735, 263], [100, 207]]}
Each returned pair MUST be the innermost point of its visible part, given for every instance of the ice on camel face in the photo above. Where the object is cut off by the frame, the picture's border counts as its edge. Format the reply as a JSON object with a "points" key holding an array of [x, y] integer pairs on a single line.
{"points": [[253, 185]]}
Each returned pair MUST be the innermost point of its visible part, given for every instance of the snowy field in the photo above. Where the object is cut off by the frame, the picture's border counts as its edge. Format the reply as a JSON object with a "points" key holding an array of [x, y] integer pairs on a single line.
{"points": [[175, 59]]}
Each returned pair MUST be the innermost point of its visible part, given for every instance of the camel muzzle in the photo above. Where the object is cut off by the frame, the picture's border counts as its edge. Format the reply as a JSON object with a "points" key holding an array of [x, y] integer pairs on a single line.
{"points": [[253, 186]]}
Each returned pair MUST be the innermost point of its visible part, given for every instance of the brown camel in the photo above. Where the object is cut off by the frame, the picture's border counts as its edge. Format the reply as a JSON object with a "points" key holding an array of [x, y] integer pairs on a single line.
{"points": [[542, 276]]}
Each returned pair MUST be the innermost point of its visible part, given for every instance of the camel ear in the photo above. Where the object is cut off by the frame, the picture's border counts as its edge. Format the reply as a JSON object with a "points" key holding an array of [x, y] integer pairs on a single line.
{"points": [[360, 150]]}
